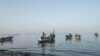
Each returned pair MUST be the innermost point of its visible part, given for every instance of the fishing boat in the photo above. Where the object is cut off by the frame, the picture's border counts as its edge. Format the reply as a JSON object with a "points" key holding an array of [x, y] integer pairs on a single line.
{"points": [[69, 37], [9, 38], [6, 38], [44, 38], [78, 36], [96, 34]]}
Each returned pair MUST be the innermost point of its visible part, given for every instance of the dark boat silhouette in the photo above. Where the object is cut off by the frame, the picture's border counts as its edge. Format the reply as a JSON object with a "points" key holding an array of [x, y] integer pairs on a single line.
{"points": [[44, 38], [96, 34], [6, 38], [69, 37]]}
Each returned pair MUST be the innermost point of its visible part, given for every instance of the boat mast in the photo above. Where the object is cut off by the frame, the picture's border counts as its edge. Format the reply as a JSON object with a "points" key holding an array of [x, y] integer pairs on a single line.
{"points": [[53, 31]]}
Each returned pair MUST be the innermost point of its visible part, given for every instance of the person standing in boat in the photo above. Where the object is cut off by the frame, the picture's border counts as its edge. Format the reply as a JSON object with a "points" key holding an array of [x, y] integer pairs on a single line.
{"points": [[44, 34]]}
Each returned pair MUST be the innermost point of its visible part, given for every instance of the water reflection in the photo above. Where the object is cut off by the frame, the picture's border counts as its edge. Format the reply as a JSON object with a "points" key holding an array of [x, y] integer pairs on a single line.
{"points": [[4, 42], [77, 39], [96, 38], [43, 46]]}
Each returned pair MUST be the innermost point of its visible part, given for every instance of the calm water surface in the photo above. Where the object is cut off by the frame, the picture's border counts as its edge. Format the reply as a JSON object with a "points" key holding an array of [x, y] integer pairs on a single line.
{"points": [[87, 46]]}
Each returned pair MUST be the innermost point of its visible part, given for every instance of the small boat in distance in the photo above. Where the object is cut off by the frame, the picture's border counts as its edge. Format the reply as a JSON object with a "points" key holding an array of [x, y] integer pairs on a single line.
{"points": [[2, 39], [96, 34], [78, 36], [69, 37]]}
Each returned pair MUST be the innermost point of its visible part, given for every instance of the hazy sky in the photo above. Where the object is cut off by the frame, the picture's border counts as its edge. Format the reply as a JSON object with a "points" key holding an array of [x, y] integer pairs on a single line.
{"points": [[46, 15]]}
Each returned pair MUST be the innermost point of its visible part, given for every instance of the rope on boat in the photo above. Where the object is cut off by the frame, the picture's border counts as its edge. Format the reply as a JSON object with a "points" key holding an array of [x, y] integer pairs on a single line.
{"points": [[57, 46]]}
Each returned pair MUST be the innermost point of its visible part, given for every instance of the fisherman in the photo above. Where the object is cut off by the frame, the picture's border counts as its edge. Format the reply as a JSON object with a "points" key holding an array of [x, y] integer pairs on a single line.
{"points": [[44, 34]]}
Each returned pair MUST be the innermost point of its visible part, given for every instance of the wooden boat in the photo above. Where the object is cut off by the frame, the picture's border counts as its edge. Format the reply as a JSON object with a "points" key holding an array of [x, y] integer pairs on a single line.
{"points": [[77, 36], [50, 38], [96, 34], [1, 39], [69, 37], [9, 38], [46, 39], [6, 38]]}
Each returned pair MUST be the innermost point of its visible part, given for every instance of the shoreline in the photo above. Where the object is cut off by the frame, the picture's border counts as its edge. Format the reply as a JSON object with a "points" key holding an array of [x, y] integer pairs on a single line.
{"points": [[4, 52], [13, 53]]}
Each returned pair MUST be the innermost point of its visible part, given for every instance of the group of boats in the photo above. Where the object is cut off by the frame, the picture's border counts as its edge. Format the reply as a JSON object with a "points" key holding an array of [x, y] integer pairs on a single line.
{"points": [[69, 37], [47, 39], [51, 37], [77, 36]]}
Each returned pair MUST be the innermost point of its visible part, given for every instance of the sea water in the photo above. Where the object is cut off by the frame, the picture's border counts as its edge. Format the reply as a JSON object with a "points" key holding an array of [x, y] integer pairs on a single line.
{"points": [[88, 45]]}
